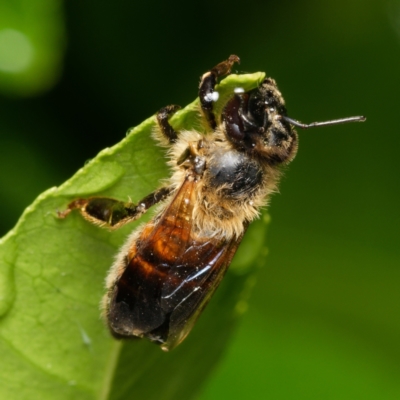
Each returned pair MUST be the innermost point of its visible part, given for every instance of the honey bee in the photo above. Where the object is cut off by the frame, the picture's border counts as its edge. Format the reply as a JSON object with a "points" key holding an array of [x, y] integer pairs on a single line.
{"points": [[169, 268]]}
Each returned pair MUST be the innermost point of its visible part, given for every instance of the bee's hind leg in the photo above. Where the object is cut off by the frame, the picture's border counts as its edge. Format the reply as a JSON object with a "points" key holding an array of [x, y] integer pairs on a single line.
{"points": [[104, 211]]}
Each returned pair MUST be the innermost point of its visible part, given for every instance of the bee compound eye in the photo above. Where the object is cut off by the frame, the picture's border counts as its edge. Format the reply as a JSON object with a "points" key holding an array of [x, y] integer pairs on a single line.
{"points": [[234, 128], [234, 131]]}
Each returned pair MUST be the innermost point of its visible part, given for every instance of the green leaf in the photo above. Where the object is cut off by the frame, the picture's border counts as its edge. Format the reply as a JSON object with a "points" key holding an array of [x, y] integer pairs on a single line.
{"points": [[52, 340]]}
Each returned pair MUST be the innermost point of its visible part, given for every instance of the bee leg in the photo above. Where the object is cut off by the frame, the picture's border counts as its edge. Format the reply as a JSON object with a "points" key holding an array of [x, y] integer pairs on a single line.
{"points": [[207, 85], [113, 213], [163, 122], [192, 158]]}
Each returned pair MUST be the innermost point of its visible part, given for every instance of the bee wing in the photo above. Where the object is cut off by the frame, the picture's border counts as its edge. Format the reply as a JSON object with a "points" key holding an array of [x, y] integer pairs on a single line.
{"points": [[198, 282], [170, 275]]}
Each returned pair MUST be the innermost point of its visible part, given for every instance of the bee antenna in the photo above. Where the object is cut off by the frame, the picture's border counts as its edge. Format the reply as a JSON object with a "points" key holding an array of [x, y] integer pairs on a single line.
{"points": [[324, 123]]}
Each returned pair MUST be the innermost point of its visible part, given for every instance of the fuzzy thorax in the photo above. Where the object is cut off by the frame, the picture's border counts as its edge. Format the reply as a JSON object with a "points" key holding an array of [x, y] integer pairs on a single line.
{"points": [[220, 211]]}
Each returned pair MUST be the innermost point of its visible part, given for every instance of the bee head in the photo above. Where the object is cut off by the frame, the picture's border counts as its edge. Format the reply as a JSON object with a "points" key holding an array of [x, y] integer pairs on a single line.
{"points": [[254, 123]]}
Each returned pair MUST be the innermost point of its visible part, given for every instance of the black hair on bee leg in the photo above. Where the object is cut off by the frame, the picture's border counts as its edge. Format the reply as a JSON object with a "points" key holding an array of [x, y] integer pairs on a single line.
{"points": [[163, 117], [207, 85]]}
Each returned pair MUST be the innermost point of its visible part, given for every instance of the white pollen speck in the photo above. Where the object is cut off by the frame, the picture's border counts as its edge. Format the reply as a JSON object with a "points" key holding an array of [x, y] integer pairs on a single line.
{"points": [[239, 90], [187, 201], [214, 96]]}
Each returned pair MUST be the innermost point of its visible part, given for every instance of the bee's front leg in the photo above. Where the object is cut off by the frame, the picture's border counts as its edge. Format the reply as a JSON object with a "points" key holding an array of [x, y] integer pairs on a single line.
{"points": [[207, 85], [104, 211]]}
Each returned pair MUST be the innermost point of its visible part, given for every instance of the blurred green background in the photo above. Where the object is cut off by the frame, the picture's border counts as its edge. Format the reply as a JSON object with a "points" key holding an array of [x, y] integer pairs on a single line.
{"points": [[324, 318]]}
